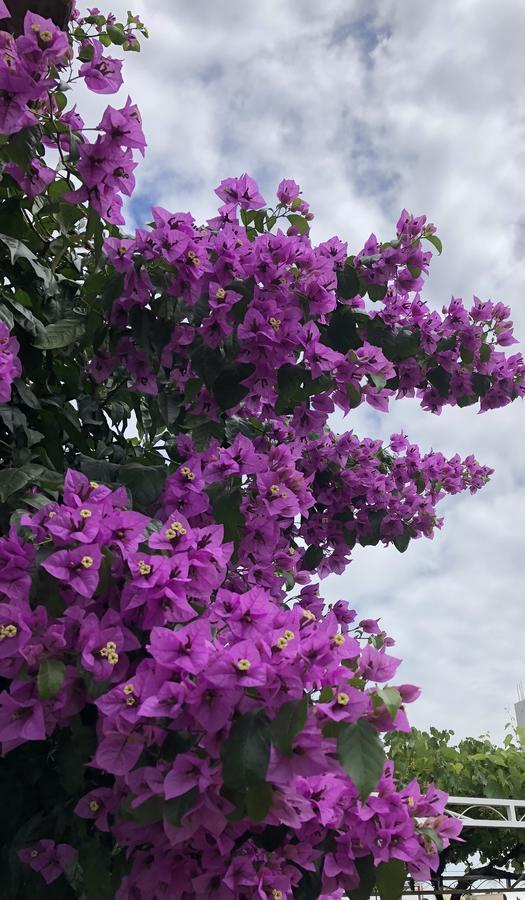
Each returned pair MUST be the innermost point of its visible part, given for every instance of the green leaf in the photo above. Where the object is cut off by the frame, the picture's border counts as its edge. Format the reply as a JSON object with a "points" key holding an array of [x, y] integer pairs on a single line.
{"points": [[485, 352], [6, 316], [246, 753], [176, 808], [312, 558], [144, 482], [390, 879], [361, 755], [347, 282], [258, 801], [378, 380], [50, 678], [299, 222], [227, 511], [377, 292], [59, 334], [288, 723], [367, 878], [12, 480], [116, 34], [401, 541], [228, 389], [433, 239], [391, 699], [18, 250]]}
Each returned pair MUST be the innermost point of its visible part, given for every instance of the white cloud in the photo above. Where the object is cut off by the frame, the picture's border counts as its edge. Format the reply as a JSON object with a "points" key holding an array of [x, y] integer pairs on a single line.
{"points": [[373, 106]]}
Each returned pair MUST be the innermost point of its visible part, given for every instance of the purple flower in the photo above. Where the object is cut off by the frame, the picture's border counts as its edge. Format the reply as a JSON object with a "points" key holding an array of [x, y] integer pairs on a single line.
{"points": [[48, 858], [243, 191], [375, 665], [102, 74], [288, 191], [21, 719], [185, 650], [35, 180], [10, 367], [77, 568]]}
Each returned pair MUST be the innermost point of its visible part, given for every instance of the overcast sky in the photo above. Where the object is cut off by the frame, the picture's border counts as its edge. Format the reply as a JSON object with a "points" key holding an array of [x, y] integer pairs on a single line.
{"points": [[374, 106]]}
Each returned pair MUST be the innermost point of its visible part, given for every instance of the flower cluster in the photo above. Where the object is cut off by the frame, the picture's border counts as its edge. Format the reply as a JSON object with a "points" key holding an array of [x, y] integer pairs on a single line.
{"points": [[24, 71], [10, 367], [198, 680], [281, 306], [29, 89], [233, 720]]}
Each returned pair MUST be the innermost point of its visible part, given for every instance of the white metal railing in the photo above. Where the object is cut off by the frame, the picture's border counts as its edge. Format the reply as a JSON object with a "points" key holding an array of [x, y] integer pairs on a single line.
{"points": [[509, 813]]}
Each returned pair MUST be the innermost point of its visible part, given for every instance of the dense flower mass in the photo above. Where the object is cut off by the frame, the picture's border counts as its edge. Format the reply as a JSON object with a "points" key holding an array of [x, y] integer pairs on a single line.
{"points": [[210, 726], [154, 631]]}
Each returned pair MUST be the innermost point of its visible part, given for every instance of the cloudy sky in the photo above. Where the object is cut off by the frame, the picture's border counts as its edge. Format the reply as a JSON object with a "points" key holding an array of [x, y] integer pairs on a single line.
{"points": [[372, 106]]}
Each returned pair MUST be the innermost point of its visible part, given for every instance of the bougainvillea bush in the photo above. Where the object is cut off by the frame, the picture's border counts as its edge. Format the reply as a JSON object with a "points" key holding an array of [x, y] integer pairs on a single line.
{"points": [[181, 715]]}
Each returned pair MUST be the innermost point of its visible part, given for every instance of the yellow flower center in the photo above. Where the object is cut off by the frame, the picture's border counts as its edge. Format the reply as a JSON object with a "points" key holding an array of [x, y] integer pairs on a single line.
{"points": [[221, 293], [108, 651], [343, 699], [244, 665], [8, 631], [275, 323], [289, 635], [86, 561], [94, 806], [191, 254], [188, 474], [274, 489], [94, 484], [34, 853], [144, 567], [45, 36], [52, 514], [309, 615], [85, 513], [176, 529], [338, 640], [281, 643], [277, 894], [128, 688], [130, 701]]}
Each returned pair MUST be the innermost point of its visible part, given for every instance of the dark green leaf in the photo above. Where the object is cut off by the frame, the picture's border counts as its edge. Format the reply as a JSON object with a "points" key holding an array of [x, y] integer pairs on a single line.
{"points": [[377, 292], [18, 250], [367, 875], [288, 723], [227, 512], [246, 753], [258, 801], [390, 879], [312, 558], [60, 334], [144, 482], [401, 541], [361, 755], [347, 282], [176, 808], [228, 388], [50, 678], [12, 480], [481, 384]]}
